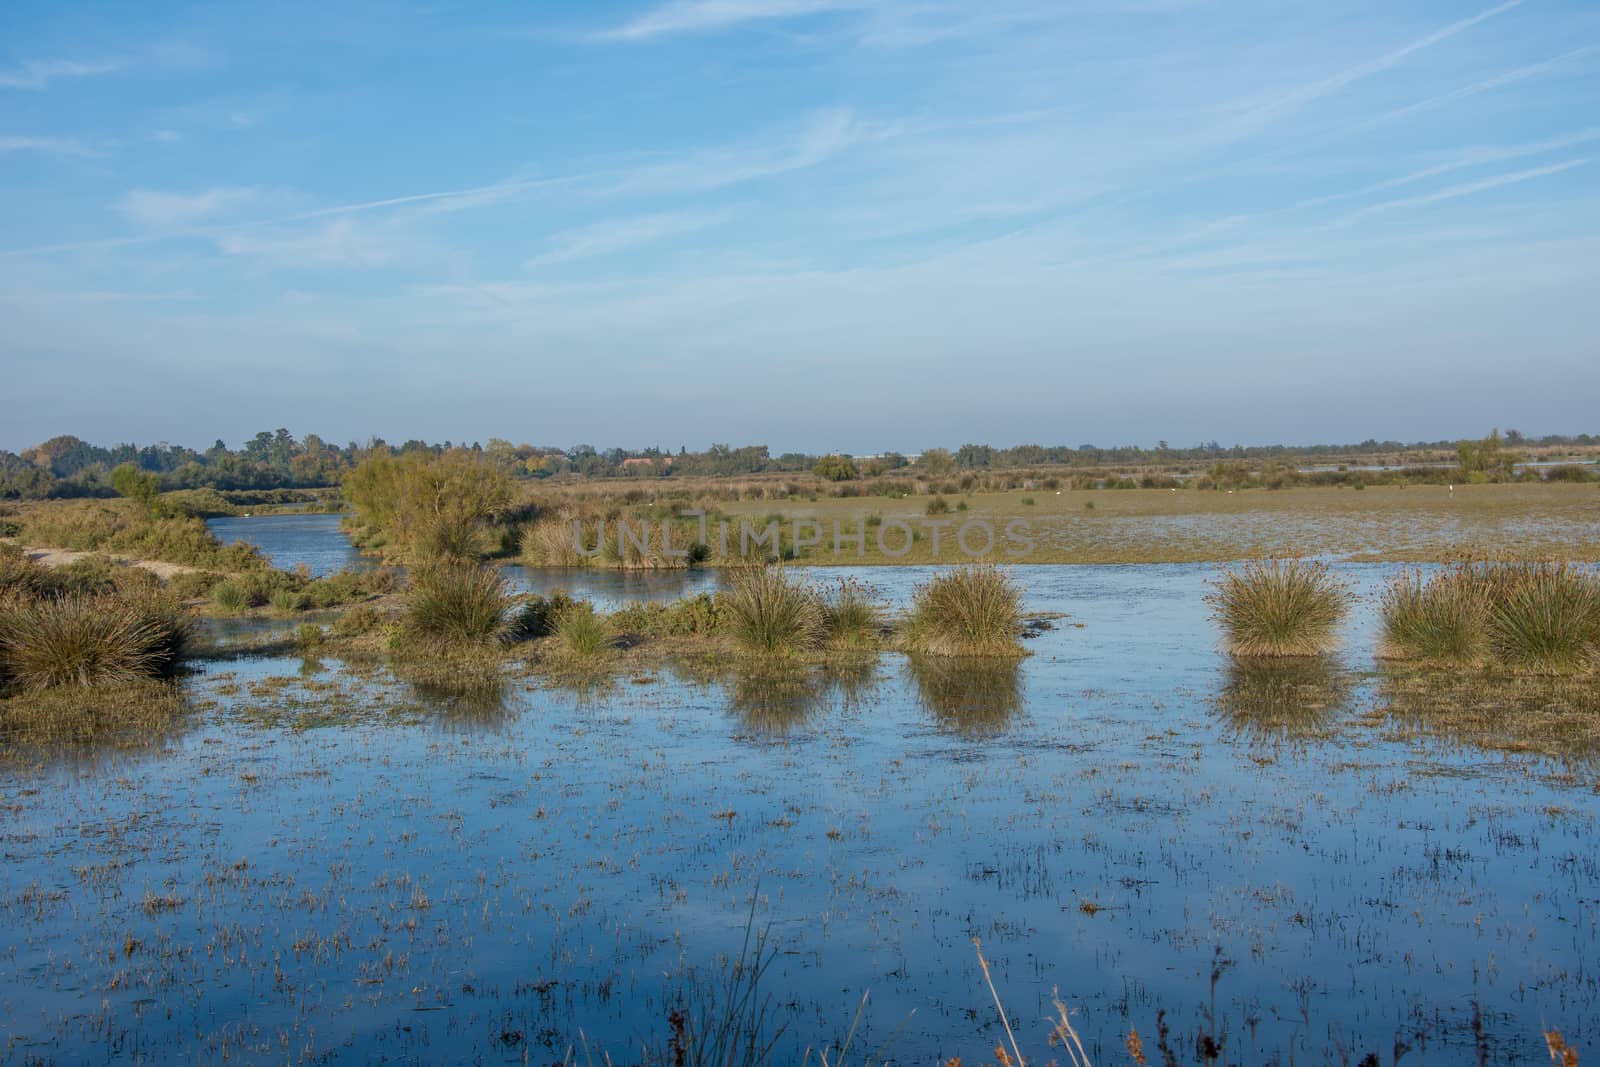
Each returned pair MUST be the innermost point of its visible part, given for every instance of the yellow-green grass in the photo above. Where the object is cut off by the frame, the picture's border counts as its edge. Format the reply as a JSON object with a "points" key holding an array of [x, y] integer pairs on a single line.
{"points": [[969, 610], [1277, 608], [85, 641], [1419, 523], [772, 613]]}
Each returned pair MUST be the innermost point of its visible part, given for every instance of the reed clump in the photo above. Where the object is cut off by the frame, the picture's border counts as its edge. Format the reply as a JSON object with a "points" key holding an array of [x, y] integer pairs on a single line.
{"points": [[1279, 607], [972, 610], [581, 633], [852, 616], [771, 613], [86, 641], [1530, 618], [1438, 620], [456, 604]]}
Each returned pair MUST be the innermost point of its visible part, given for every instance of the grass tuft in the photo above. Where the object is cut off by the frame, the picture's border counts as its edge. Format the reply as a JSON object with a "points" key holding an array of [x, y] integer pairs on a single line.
{"points": [[852, 616], [974, 610], [99, 640], [583, 633], [455, 603], [1545, 619], [1440, 620], [771, 613], [1279, 607]]}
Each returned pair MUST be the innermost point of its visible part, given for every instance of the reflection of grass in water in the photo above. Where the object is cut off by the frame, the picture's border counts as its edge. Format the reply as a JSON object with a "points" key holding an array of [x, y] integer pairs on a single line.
{"points": [[479, 705], [1558, 717], [970, 695], [774, 699], [1296, 698], [137, 713]]}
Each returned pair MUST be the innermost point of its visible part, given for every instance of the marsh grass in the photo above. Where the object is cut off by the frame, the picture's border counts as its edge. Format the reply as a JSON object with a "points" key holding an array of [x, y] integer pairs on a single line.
{"points": [[1544, 618], [581, 633], [771, 613], [456, 604], [852, 615], [100, 640], [973, 610], [289, 601], [1438, 620], [1529, 618], [1279, 607], [1557, 717], [229, 598]]}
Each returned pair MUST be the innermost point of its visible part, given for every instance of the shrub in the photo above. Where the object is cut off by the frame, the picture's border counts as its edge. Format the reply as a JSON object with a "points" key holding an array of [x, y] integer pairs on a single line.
{"points": [[345, 586], [361, 619], [1027, 501], [193, 585], [288, 601], [457, 603], [583, 633], [938, 505], [1439, 621], [309, 635], [973, 610], [88, 641], [1280, 607], [229, 597], [1545, 619], [770, 613]]}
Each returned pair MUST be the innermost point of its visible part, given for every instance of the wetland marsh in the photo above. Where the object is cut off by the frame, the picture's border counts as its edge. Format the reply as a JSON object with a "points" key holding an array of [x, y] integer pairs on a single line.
{"points": [[321, 862]]}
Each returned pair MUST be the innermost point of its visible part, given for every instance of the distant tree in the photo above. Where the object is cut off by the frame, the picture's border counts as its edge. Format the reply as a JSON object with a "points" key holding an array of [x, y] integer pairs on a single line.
{"points": [[129, 481], [836, 468]]}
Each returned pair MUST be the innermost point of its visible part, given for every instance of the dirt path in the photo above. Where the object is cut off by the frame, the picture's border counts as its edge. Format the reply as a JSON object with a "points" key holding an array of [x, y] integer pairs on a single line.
{"points": [[60, 557]]}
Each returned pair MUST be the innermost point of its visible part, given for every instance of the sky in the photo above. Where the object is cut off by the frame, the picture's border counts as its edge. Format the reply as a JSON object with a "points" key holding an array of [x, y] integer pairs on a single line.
{"points": [[850, 225]]}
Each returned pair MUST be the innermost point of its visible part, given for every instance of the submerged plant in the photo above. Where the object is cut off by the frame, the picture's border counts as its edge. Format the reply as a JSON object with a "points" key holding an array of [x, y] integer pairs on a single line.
{"points": [[974, 610], [771, 613], [1279, 607]]}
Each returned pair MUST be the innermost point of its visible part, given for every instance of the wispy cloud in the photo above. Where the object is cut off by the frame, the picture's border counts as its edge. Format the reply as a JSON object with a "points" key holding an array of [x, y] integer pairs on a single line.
{"points": [[702, 16], [618, 235], [60, 146], [150, 208], [1468, 188], [39, 73], [1288, 104]]}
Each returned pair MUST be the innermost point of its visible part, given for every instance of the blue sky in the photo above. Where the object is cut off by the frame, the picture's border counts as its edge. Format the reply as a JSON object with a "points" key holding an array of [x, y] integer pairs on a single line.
{"points": [[817, 224]]}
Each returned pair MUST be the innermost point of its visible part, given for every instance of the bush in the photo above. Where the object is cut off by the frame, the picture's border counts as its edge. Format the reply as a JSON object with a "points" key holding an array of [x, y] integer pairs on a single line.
{"points": [[22, 578], [973, 610], [345, 586], [288, 602], [457, 603], [361, 619], [1280, 607], [229, 597], [88, 641], [700, 614], [938, 506], [771, 614]]}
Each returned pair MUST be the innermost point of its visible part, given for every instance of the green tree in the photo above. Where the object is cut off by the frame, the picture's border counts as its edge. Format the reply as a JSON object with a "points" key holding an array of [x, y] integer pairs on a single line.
{"points": [[131, 482], [836, 468]]}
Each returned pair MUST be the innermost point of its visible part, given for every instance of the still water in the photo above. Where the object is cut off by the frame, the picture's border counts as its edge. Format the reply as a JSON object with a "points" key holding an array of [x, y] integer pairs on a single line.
{"points": [[328, 863]]}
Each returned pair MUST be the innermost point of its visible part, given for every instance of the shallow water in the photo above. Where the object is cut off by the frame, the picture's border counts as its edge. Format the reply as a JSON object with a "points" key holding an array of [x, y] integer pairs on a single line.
{"points": [[291, 539], [328, 863], [337, 864]]}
